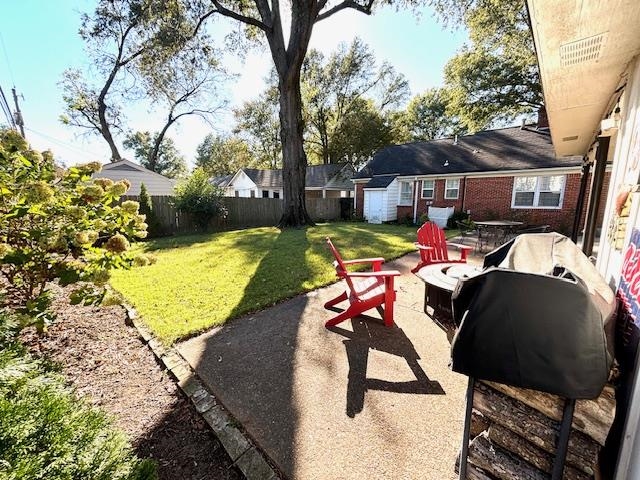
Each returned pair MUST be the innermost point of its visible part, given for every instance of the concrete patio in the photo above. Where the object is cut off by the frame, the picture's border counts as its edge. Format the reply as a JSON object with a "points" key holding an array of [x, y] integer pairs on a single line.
{"points": [[360, 401]]}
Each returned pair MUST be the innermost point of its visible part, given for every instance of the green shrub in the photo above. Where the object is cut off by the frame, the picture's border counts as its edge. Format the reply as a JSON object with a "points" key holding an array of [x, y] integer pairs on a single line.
{"points": [[197, 196], [146, 208], [423, 218], [458, 216], [59, 225], [47, 433]]}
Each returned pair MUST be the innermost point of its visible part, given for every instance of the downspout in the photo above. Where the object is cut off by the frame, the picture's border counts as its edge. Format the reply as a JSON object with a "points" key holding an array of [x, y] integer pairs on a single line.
{"points": [[594, 197], [464, 192], [355, 197], [586, 167], [415, 201]]}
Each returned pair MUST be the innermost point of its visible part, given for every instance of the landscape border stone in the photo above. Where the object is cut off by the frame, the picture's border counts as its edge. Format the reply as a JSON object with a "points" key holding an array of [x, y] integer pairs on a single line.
{"points": [[243, 453]]}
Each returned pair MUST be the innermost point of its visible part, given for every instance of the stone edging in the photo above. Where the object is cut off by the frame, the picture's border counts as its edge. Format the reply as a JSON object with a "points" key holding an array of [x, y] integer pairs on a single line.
{"points": [[240, 449]]}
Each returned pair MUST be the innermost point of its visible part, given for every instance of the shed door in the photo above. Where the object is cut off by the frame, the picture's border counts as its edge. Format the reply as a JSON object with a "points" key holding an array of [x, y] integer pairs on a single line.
{"points": [[376, 203]]}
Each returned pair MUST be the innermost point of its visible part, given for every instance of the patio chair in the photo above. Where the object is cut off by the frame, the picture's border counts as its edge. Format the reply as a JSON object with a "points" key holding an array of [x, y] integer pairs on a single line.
{"points": [[432, 245], [364, 290], [466, 230]]}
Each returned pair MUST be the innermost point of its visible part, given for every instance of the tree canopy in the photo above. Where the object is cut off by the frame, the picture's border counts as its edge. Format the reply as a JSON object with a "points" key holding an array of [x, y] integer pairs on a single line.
{"points": [[335, 90], [427, 117], [222, 155], [167, 160], [496, 78]]}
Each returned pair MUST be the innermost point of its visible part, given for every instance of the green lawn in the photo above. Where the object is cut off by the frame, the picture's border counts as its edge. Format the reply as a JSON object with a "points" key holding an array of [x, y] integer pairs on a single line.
{"points": [[200, 281]]}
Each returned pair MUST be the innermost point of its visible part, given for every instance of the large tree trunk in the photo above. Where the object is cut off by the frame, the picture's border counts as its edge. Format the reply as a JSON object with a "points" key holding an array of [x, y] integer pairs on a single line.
{"points": [[294, 159]]}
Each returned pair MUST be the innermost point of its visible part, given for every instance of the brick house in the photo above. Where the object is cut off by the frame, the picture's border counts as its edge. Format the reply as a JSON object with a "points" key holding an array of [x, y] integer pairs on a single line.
{"points": [[508, 173], [322, 181]]}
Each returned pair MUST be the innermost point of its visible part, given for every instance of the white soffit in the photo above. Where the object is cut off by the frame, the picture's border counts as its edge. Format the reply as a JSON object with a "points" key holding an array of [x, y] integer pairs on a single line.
{"points": [[583, 48]]}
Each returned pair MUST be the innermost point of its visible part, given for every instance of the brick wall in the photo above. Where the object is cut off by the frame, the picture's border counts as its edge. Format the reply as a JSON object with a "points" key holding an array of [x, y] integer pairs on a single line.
{"points": [[360, 200], [491, 198]]}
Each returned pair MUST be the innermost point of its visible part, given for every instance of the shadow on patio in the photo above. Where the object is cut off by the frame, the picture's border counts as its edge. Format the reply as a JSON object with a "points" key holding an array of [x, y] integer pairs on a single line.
{"points": [[381, 403]]}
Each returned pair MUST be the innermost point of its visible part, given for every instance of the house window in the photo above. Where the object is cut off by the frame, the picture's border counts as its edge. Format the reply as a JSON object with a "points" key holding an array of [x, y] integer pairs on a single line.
{"points": [[406, 193], [538, 192], [428, 188], [452, 188], [265, 193], [253, 194], [276, 194]]}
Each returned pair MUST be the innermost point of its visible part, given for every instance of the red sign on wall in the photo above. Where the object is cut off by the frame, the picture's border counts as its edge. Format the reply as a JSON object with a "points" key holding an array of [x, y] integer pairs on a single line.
{"points": [[629, 289]]}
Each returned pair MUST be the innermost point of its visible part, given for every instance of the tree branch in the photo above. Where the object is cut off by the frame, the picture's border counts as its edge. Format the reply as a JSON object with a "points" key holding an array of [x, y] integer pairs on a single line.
{"points": [[366, 9], [238, 16]]}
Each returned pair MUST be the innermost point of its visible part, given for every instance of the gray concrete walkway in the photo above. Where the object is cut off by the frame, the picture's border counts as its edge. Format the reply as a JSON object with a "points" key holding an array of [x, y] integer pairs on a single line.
{"points": [[359, 402]]}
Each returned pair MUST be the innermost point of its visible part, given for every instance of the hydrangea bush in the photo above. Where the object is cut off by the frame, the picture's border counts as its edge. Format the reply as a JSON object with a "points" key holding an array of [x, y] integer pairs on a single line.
{"points": [[59, 224]]}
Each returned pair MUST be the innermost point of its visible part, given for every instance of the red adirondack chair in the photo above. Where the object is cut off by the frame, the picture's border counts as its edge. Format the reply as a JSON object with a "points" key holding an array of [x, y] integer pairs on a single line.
{"points": [[432, 245], [365, 290]]}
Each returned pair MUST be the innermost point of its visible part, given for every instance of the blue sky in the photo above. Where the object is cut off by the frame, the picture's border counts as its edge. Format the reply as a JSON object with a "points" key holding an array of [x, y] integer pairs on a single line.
{"points": [[40, 40]]}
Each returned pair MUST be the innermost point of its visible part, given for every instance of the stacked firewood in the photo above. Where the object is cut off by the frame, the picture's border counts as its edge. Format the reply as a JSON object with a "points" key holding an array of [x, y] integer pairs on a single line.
{"points": [[515, 430]]}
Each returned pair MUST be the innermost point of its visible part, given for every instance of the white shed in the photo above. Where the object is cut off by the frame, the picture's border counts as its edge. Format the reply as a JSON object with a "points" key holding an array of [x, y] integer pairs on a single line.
{"points": [[381, 199], [136, 174]]}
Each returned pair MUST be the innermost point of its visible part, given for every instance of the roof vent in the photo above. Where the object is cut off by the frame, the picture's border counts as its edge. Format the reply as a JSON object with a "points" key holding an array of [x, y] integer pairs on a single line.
{"points": [[569, 139], [580, 51]]}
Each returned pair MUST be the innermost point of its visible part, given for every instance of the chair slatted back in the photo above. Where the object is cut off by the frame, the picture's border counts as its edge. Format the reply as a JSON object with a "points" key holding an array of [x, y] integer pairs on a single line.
{"points": [[341, 269], [431, 235]]}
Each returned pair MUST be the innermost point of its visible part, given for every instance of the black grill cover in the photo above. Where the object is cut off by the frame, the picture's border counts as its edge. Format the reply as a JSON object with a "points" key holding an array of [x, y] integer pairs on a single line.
{"points": [[531, 330]]}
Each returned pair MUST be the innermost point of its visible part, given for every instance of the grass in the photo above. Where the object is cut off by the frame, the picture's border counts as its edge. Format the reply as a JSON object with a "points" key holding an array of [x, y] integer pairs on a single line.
{"points": [[201, 281]]}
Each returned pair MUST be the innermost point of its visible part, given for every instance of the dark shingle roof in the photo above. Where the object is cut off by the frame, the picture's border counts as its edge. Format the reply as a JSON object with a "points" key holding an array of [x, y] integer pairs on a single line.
{"points": [[318, 176], [264, 178], [380, 181], [512, 148], [221, 181]]}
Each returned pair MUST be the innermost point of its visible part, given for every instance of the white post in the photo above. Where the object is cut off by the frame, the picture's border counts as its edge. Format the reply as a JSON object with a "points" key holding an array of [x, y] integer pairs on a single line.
{"points": [[415, 200]]}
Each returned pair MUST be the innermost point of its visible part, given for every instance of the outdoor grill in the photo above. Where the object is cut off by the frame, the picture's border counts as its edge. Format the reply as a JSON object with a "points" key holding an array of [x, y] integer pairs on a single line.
{"points": [[540, 317]]}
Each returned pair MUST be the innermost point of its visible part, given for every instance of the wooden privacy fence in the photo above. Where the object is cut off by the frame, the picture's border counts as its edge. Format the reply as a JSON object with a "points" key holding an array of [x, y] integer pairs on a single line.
{"points": [[242, 212]]}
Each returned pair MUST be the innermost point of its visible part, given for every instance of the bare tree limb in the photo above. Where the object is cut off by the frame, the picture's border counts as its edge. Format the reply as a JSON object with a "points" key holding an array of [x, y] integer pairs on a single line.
{"points": [[366, 9], [238, 16]]}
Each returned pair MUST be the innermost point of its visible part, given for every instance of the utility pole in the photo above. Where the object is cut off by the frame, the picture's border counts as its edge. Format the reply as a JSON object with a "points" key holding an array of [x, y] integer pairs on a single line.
{"points": [[18, 114]]}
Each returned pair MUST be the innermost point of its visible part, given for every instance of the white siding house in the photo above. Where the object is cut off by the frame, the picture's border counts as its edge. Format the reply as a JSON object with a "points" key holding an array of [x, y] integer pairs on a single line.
{"points": [[155, 183], [381, 200], [322, 181]]}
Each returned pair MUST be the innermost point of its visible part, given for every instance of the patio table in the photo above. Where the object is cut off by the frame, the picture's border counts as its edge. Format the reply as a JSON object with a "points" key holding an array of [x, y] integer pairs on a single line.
{"points": [[498, 231]]}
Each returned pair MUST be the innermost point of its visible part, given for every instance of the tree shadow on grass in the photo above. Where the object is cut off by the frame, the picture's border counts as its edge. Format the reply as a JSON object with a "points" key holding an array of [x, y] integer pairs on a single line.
{"points": [[370, 334]]}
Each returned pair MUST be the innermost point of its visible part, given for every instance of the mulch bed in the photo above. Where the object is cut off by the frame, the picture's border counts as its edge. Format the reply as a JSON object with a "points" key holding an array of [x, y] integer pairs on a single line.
{"points": [[108, 364]]}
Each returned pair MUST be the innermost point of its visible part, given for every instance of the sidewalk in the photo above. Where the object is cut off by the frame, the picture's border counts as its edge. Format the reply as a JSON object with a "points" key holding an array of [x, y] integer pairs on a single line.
{"points": [[360, 401]]}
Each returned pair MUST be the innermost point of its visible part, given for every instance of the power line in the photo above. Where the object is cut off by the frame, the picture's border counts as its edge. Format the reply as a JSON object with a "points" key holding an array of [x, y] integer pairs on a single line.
{"points": [[62, 143], [6, 57], [4, 105]]}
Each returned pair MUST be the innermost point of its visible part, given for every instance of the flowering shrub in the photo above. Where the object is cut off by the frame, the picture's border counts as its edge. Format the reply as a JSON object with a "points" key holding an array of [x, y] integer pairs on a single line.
{"points": [[59, 225]]}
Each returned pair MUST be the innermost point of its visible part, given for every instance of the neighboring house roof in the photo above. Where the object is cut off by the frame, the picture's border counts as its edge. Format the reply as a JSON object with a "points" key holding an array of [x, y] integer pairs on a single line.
{"points": [[380, 181], [334, 176], [136, 174], [221, 181], [513, 148], [264, 178]]}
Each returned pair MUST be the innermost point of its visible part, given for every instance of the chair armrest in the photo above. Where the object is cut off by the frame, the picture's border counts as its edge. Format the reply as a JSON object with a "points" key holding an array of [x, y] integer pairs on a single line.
{"points": [[461, 247], [381, 273], [364, 260], [423, 247]]}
